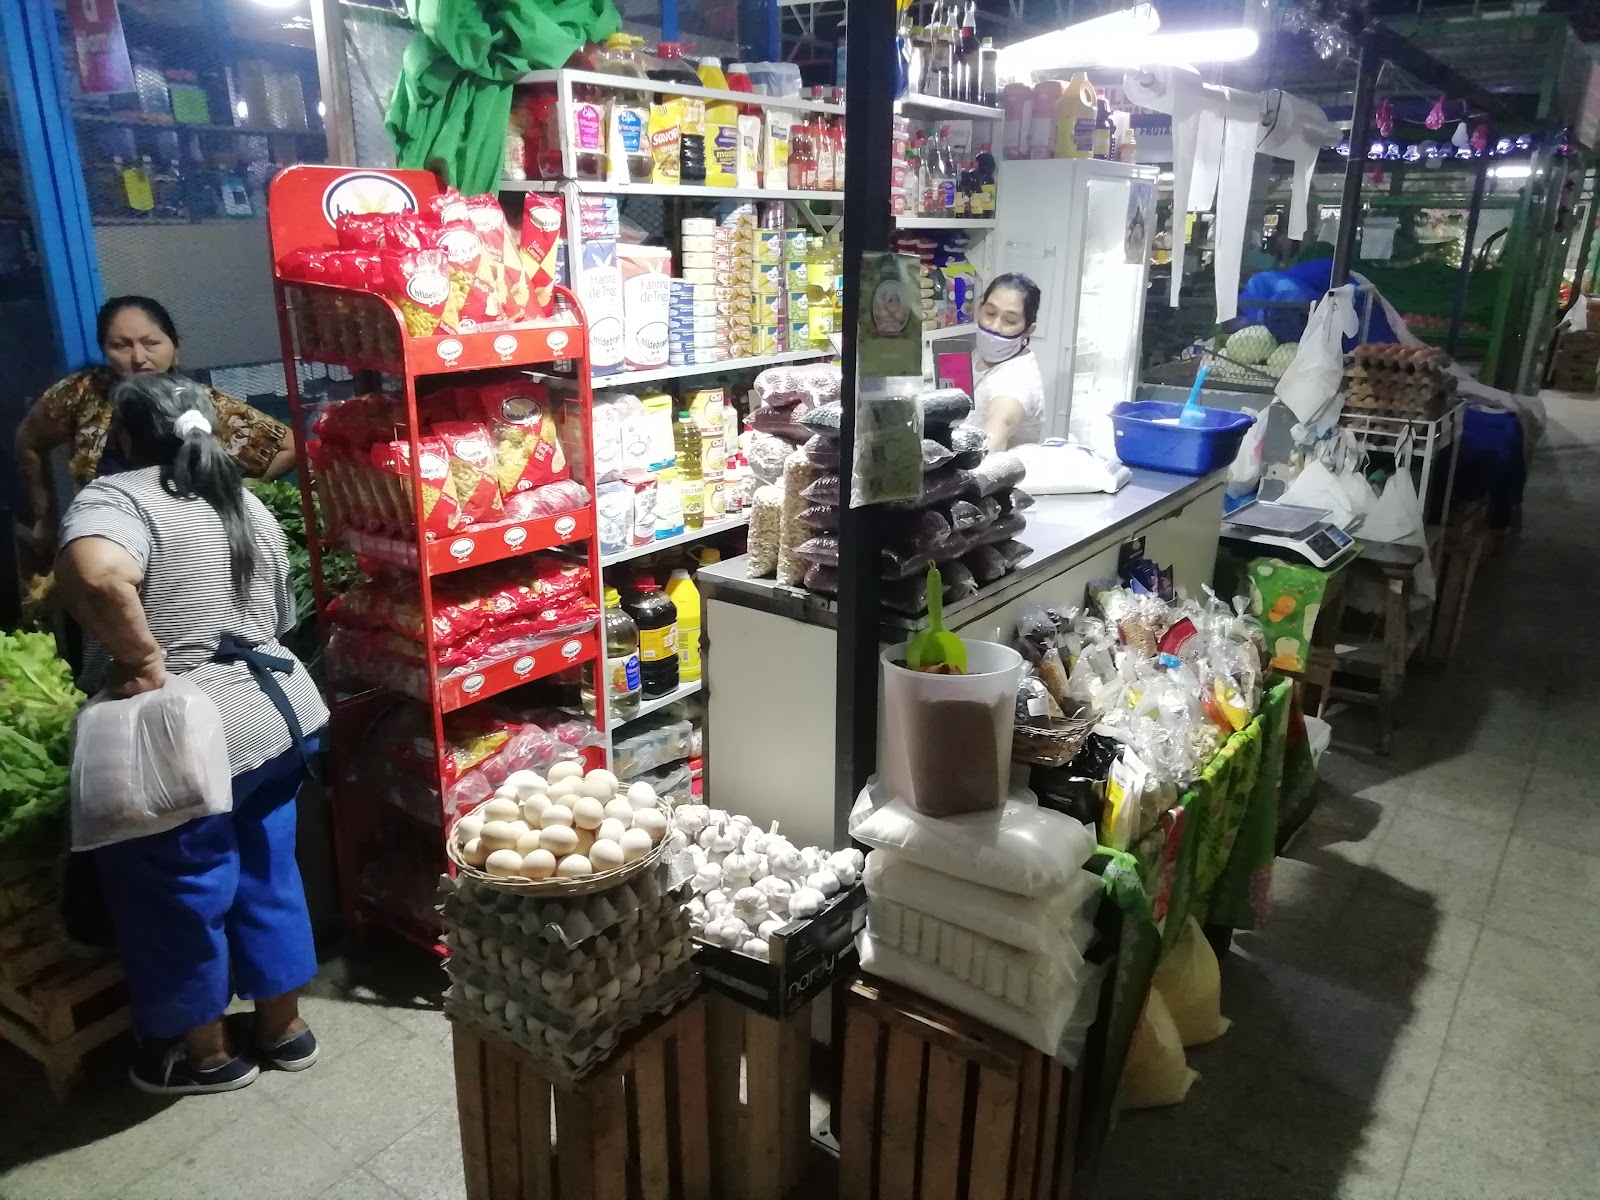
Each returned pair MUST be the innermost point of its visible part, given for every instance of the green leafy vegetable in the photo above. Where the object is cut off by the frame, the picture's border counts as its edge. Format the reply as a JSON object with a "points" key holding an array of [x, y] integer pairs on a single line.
{"points": [[37, 704], [339, 568]]}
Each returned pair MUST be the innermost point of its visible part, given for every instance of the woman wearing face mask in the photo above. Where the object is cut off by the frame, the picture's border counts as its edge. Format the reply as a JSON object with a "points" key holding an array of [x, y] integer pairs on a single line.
{"points": [[1008, 393], [137, 337]]}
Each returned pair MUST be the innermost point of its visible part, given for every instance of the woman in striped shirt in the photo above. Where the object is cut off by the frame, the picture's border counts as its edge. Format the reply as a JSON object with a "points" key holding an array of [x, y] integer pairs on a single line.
{"points": [[174, 567]]}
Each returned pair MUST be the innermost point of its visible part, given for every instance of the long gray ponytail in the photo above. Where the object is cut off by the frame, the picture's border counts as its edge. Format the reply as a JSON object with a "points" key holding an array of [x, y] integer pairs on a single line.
{"points": [[167, 421]]}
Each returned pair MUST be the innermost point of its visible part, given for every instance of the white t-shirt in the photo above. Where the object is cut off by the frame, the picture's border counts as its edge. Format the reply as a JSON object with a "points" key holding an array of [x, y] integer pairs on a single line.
{"points": [[1017, 377]]}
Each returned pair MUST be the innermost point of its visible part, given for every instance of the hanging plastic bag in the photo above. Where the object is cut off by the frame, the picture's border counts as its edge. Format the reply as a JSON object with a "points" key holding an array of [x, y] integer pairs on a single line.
{"points": [[147, 763], [1191, 984], [1156, 1073], [1244, 475], [1310, 386]]}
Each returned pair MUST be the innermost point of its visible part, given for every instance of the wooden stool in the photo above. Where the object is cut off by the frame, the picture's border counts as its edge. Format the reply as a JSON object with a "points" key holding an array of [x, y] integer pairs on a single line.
{"points": [[938, 1106], [764, 1137], [54, 1005], [637, 1126], [1464, 544], [1393, 564]]}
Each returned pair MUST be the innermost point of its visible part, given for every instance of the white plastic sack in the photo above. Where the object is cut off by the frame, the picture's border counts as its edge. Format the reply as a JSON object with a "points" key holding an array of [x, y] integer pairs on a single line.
{"points": [[1061, 468], [1022, 849], [147, 763], [1310, 386], [1244, 474], [1059, 923]]}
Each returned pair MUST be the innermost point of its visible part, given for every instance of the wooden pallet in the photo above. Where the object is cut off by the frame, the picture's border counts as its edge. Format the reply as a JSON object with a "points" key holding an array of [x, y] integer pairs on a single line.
{"points": [[635, 1127], [762, 1112], [939, 1106], [56, 1006]]}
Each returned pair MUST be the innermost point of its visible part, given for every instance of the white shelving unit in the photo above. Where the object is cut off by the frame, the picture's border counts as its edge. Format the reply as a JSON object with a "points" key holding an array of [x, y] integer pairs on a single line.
{"points": [[565, 78], [592, 187], [933, 107], [624, 379], [949, 331], [646, 707], [687, 538], [944, 222]]}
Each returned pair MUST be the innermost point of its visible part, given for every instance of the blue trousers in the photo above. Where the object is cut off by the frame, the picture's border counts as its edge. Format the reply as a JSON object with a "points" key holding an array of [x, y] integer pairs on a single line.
{"points": [[214, 908]]}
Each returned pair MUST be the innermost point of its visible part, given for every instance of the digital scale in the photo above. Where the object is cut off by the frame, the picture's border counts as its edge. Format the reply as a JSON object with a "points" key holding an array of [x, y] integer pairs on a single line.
{"points": [[1303, 532]]}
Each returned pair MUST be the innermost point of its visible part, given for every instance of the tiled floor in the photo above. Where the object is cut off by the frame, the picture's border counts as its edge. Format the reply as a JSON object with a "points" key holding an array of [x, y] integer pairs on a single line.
{"points": [[1418, 1022]]}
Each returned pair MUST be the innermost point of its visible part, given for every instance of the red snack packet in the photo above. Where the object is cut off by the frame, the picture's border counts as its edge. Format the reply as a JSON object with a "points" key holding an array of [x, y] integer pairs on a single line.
{"points": [[543, 223], [441, 510], [527, 448], [500, 266], [473, 469], [423, 288]]}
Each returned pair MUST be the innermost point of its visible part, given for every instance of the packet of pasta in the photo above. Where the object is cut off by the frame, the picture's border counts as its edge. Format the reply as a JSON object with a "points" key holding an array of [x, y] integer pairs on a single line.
{"points": [[523, 429], [441, 509], [421, 284], [543, 219], [472, 470]]}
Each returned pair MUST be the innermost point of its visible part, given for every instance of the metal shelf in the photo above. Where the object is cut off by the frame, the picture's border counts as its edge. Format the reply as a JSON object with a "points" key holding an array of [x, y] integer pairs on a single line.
{"points": [[593, 187], [949, 331], [687, 538], [627, 378], [136, 121], [646, 707], [944, 222], [934, 106], [625, 83]]}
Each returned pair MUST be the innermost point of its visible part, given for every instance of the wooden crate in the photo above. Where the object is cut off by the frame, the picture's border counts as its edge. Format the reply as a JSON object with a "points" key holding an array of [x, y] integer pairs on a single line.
{"points": [[938, 1106], [56, 1006], [635, 1127], [762, 1113]]}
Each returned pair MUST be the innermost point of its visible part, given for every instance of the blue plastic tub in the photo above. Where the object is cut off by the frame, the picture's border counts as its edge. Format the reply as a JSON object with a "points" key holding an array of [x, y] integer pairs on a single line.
{"points": [[1148, 435]]}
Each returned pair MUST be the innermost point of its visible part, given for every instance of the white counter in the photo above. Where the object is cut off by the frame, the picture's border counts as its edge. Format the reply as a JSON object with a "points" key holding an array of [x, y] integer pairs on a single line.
{"points": [[770, 650]]}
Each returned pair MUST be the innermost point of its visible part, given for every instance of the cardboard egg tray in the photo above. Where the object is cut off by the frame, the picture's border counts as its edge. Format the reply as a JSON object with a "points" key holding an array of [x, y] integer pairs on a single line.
{"points": [[1398, 381]]}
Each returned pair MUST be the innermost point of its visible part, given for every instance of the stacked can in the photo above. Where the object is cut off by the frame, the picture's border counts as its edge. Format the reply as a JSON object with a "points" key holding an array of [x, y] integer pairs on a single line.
{"points": [[735, 262], [692, 328], [769, 282], [795, 246]]}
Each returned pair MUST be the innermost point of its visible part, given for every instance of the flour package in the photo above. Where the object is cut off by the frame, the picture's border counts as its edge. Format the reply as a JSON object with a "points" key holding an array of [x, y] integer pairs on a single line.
{"points": [[147, 763], [646, 304], [600, 290]]}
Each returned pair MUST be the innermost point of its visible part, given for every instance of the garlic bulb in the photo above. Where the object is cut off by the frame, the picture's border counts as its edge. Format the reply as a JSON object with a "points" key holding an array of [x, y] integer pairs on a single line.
{"points": [[707, 877], [750, 904], [824, 881], [735, 871], [806, 902], [843, 867], [771, 926], [787, 864], [777, 891], [757, 948]]}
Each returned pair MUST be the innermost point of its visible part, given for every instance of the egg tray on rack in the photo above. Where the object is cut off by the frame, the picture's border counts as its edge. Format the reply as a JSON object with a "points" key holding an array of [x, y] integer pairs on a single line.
{"points": [[556, 887], [1406, 382]]}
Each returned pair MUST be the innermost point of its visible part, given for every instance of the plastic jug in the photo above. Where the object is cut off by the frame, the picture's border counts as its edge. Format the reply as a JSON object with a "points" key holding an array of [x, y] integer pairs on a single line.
{"points": [[1075, 119], [623, 680], [685, 598], [722, 130]]}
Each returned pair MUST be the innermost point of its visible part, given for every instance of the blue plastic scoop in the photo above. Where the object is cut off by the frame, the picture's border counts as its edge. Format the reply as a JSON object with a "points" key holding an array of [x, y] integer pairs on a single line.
{"points": [[1194, 414]]}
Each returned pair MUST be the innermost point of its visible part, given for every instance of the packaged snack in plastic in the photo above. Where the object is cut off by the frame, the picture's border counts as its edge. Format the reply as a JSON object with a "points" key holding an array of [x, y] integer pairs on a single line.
{"points": [[943, 406], [779, 422], [823, 548], [551, 500], [766, 524], [1002, 530], [822, 579], [1013, 551], [923, 532], [798, 476], [824, 490], [985, 564], [824, 418], [958, 582], [441, 509], [937, 486], [934, 455], [998, 472], [823, 517], [823, 450], [897, 564], [963, 515], [1016, 500], [527, 449], [543, 219], [968, 439], [889, 459], [766, 455], [472, 470]]}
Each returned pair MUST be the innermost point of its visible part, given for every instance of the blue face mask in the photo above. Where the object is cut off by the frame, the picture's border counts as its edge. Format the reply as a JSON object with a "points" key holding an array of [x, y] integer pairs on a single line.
{"points": [[997, 347]]}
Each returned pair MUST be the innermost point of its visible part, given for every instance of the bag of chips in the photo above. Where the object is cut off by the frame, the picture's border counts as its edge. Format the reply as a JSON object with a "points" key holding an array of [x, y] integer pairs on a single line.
{"points": [[520, 422], [472, 470]]}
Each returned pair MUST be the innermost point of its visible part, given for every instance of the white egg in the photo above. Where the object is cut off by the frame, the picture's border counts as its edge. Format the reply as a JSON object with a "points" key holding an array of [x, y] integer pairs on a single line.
{"points": [[587, 812], [606, 855], [635, 844], [498, 835], [586, 839], [653, 821], [525, 783], [504, 862], [573, 866], [502, 810], [474, 853], [555, 814], [621, 810], [611, 830], [563, 790], [540, 863], [520, 826], [558, 839], [597, 788], [533, 806], [641, 793], [468, 828], [566, 769], [528, 842], [606, 777]]}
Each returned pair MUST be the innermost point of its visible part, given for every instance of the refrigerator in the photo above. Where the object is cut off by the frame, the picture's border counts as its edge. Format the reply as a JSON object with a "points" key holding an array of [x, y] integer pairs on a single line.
{"points": [[1081, 228]]}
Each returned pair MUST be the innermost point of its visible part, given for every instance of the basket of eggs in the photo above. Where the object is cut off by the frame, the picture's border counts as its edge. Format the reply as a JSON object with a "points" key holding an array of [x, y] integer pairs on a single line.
{"points": [[566, 835]]}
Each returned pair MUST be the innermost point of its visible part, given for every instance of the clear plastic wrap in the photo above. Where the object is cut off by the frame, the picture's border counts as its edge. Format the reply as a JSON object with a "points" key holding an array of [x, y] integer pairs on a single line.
{"points": [[889, 460], [998, 472], [824, 548], [823, 490], [937, 486], [766, 531], [147, 763], [824, 418], [823, 517], [923, 532], [649, 745], [944, 406], [964, 516], [781, 423], [822, 579], [985, 564], [823, 450], [934, 455], [766, 455]]}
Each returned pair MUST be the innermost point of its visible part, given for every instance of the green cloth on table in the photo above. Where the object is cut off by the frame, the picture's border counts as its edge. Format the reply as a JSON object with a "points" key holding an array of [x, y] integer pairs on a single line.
{"points": [[1241, 897], [452, 105]]}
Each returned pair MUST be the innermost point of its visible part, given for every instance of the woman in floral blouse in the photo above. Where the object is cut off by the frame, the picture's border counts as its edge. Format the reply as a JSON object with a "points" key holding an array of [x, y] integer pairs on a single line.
{"points": [[136, 335]]}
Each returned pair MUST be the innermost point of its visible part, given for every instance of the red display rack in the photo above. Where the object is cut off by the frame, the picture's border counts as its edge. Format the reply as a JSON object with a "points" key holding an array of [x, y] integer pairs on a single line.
{"points": [[371, 341]]}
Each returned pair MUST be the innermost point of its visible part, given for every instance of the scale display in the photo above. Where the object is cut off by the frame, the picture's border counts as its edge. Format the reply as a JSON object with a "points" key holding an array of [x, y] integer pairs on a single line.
{"points": [[1283, 527]]}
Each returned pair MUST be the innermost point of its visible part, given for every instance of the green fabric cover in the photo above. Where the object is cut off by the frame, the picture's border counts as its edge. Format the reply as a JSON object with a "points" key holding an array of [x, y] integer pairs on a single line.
{"points": [[452, 104]]}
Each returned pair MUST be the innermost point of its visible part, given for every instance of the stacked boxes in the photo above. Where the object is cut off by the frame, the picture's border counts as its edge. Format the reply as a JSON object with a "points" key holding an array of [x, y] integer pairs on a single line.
{"points": [[735, 267], [795, 244], [769, 280]]}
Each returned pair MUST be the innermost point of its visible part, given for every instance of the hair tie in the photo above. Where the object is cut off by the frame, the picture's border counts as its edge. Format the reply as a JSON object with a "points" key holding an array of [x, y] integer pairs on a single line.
{"points": [[190, 421]]}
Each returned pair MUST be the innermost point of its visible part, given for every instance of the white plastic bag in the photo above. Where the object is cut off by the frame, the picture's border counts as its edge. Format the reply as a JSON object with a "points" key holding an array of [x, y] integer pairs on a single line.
{"points": [[147, 763], [1310, 387], [1022, 849], [1062, 468], [1244, 475]]}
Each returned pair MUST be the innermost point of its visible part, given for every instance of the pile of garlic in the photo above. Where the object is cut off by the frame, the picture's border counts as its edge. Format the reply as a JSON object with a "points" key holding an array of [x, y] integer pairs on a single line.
{"points": [[567, 826], [748, 883]]}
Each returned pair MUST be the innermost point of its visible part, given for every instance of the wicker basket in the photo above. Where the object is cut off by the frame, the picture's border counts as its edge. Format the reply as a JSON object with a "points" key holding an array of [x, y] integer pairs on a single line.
{"points": [[1053, 747], [554, 888]]}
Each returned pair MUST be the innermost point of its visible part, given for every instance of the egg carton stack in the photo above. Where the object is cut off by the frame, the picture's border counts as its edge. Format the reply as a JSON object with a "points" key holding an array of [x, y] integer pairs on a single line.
{"points": [[1406, 382], [748, 884], [565, 979]]}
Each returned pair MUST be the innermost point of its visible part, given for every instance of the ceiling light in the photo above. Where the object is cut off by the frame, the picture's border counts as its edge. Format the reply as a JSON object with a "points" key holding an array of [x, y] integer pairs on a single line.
{"points": [[1512, 171], [1071, 48]]}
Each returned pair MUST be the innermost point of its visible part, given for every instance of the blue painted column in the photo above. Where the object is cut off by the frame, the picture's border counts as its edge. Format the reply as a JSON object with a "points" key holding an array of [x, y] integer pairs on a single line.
{"points": [[53, 174]]}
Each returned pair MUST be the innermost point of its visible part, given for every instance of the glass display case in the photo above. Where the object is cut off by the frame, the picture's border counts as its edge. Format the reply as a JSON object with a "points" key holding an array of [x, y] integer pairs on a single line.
{"points": [[1081, 229]]}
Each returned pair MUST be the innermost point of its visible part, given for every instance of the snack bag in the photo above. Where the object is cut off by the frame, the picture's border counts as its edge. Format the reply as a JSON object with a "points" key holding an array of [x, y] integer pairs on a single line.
{"points": [[472, 470], [441, 509], [500, 266], [543, 219], [665, 139], [421, 284], [526, 444]]}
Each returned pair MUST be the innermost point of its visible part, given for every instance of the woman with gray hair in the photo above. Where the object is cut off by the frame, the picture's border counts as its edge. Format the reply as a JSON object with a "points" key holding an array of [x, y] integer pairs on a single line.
{"points": [[173, 567]]}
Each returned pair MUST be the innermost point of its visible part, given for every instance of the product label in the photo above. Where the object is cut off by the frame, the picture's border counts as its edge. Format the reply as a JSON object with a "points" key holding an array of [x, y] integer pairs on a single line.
{"points": [[658, 645], [624, 675], [947, 196], [631, 128], [646, 299], [588, 126], [1083, 135]]}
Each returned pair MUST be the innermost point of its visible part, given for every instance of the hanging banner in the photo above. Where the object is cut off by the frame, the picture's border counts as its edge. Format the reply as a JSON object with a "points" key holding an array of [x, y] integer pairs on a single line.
{"points": [[102, 51]]}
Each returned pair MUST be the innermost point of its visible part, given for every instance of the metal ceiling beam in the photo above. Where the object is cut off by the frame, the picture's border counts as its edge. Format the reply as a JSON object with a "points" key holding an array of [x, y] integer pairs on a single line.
{"points": [[1419, 64]]}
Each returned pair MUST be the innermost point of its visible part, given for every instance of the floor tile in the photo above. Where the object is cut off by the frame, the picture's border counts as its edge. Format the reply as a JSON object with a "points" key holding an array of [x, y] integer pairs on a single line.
{"points": [[1544, 914], [1553, 979], [426, 1163], [1443, 837], [1540, 864], [1308, 894], [1492, 1027], [1420, 878], [360, 1185], [1565, 818]]}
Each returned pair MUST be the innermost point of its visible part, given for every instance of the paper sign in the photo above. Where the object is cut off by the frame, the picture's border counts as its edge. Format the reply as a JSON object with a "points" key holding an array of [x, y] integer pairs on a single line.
{"points": [[102, 51]]}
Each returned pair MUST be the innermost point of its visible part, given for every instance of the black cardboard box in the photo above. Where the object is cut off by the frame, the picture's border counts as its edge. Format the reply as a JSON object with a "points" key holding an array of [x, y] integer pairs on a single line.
{"points": [[807, 956]]}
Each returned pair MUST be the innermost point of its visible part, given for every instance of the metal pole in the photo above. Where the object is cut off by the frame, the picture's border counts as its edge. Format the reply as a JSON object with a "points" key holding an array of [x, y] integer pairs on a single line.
{"points": [[1464, 275], [869, 121], [333, 80], [1360, 136]]}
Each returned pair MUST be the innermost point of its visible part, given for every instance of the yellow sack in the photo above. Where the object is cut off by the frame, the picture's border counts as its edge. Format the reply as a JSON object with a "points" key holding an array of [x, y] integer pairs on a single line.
{"points": [[1156, 1073], [1191, 983]]}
